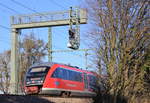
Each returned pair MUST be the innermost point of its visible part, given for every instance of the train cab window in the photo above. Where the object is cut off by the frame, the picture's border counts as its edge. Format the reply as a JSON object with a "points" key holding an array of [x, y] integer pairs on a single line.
{"points": [[38, 70]]}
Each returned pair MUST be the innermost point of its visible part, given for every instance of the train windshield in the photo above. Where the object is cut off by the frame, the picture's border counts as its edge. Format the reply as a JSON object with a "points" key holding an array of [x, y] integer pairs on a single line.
{"points": [[38, 70]]}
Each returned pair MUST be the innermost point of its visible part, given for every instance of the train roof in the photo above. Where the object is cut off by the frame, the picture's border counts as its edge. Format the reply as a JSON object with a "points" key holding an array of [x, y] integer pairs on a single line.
{"points": [[49, 64]]}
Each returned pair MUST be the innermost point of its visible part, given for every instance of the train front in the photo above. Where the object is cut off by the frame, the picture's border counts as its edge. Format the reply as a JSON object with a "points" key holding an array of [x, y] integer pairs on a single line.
{"points": [[34, 79]]}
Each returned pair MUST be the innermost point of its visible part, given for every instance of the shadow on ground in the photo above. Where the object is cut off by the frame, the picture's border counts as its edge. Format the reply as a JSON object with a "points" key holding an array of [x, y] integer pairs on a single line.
{"points": [[22, 99], [106, 98]]}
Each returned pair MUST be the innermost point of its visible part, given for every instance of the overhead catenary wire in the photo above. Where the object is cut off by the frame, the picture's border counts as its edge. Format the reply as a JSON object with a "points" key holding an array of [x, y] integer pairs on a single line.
{"points": [[5, 6], [11, 9], [57, 4], [5, 27], [67, 2], [4, 9], [24, 6]]}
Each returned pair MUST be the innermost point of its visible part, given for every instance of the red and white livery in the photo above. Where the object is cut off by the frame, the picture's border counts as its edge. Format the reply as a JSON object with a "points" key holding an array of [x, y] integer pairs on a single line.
{"points": [[60, 79]]}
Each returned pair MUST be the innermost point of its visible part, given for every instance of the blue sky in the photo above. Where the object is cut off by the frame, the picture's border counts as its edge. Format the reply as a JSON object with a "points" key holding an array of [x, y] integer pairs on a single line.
{"points": [[60, 34]]}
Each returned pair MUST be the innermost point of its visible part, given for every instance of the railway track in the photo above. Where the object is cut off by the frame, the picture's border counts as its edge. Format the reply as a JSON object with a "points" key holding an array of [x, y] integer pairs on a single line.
{"points": [[42, 99], [69, 100]]}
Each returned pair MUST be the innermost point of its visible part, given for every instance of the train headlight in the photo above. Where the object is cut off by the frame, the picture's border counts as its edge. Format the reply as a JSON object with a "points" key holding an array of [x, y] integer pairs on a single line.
{"points": [[28, 82], [41, 81]]}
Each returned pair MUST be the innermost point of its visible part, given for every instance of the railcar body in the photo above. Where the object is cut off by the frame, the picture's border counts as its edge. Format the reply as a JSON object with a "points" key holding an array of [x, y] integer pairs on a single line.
{"points": [[59, 79]]}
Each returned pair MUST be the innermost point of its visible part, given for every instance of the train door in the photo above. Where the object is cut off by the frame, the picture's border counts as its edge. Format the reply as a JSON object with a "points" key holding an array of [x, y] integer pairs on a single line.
{"points": [[85, 81]]}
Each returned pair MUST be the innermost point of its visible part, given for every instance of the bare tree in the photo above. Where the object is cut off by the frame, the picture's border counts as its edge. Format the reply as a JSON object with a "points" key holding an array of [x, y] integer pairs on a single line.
{"points": [[31, 50], [121, 36], [4, 71]]}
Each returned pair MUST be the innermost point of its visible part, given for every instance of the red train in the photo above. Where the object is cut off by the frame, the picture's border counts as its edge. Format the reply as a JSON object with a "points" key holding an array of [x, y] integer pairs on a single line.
{"points": [[60, 79]]}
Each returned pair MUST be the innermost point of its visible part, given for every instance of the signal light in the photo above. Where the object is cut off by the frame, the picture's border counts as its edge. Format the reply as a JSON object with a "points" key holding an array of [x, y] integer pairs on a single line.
{"points": [[73, 41], [72, 34]]}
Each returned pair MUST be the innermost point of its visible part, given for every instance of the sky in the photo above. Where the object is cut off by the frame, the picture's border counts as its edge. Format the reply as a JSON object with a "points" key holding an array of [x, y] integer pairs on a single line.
{"points": [[9, 8]]}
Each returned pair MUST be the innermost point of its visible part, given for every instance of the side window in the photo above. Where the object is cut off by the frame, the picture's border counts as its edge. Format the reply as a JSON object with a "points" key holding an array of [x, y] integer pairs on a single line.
{"points": [[60, 73], [92, 81], [70, 75], [67, 74], [75, 76], [78, 77]]}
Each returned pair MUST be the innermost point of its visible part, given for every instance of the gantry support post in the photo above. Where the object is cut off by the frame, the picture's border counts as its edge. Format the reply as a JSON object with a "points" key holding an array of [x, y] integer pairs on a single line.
{"points": [[86, 54], [14, 63], [50, 44]]}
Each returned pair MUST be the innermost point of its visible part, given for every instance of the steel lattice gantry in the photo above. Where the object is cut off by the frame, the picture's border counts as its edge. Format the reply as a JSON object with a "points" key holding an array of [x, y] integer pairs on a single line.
{"points": [[36, 21]]}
